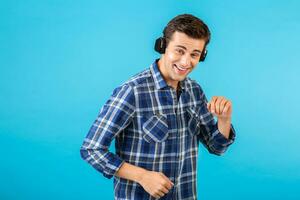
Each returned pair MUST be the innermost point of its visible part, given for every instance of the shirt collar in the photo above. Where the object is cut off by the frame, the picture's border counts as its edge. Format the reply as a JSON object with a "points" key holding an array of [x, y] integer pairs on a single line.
{"points": [[159, 81]]}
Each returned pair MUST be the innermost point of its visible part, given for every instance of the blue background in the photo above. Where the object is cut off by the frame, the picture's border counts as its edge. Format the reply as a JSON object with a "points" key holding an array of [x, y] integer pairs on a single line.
{"points": [[60, 61]]}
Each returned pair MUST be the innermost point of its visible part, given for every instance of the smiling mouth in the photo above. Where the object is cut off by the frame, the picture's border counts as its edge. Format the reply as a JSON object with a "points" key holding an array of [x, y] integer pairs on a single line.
{"points": [[181, 69]]}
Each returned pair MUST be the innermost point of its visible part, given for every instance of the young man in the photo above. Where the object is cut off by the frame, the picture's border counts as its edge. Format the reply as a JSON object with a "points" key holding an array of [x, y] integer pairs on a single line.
{"points": [[158, 118]]}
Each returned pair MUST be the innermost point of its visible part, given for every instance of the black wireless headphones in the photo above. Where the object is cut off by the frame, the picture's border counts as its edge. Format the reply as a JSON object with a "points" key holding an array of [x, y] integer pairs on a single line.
{"points": [[161, 45]]}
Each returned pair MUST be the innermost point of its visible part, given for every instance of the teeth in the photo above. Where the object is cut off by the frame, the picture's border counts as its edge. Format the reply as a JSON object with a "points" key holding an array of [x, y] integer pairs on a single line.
{"points": [[183, 69]]}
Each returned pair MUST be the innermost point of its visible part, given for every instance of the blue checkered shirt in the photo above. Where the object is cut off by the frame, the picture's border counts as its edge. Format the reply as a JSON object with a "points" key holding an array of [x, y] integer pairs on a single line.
{"points": [[154, 129]]}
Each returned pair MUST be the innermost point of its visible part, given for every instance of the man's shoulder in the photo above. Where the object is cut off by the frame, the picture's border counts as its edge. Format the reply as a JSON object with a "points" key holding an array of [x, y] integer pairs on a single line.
{"points": [[139, 79], [126, 89]]}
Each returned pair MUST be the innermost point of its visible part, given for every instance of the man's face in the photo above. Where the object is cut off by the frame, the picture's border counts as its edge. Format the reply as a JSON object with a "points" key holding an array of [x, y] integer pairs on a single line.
{"points": [[181, 56]]}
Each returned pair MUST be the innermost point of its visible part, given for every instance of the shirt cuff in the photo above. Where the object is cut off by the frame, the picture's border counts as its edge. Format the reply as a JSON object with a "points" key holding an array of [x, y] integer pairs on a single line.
{"points": [[112, 166], [221, 139]]}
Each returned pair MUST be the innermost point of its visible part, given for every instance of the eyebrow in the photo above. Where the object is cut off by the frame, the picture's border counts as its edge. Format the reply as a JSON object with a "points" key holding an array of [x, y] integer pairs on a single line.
{"points": [[183, 47]]}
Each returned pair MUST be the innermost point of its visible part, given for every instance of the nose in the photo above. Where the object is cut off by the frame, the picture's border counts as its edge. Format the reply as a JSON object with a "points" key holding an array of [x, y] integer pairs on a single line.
{"points": [[185, 61]]}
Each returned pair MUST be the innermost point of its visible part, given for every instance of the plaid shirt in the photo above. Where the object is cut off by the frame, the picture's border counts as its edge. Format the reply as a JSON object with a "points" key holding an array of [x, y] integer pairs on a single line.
{"points": [[155, 130]]}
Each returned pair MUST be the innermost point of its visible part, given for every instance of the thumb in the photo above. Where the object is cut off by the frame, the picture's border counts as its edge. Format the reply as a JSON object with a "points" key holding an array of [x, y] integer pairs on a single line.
{"points": [[208, 106]]}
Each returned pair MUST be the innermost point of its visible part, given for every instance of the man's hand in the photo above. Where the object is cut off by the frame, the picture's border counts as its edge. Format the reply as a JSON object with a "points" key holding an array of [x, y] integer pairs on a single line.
{"points": [[221, 108], [155, 183]]}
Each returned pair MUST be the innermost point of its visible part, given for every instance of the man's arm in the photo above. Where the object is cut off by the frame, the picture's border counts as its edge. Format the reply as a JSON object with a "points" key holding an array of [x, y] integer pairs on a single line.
{"points": [[114, 116], [221, 108], [216, 137]]}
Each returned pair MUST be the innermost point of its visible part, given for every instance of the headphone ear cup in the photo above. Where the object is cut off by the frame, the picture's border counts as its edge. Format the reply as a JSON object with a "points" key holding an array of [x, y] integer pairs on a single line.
{"points": [[160, 45], [203, 56]]}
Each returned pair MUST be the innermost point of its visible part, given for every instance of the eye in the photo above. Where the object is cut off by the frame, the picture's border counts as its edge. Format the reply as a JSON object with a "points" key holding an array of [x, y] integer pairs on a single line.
{"points": [[195, 55], [179, 51]]}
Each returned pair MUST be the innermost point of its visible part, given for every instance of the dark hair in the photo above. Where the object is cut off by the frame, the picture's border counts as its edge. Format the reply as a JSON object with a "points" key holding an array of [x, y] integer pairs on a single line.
{"points": [[188, 24]]}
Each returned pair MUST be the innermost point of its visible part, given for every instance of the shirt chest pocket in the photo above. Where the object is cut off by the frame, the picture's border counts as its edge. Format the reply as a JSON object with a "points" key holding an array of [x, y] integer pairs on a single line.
{"points": [[155, 128]]}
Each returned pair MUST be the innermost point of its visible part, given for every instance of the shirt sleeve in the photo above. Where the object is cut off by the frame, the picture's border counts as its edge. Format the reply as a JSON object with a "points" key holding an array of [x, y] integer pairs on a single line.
{"points": [[210, 135], [113, 117]]}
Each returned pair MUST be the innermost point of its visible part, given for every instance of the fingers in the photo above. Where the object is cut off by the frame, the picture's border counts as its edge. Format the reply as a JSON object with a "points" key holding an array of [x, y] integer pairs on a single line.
{"points": [[212, 104], [159, 194], [219, 105], [164, 190], [168, 183], [208, 106], [227, 107], [156, 184], [222, 103], [161, 191], [165, 186]]}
